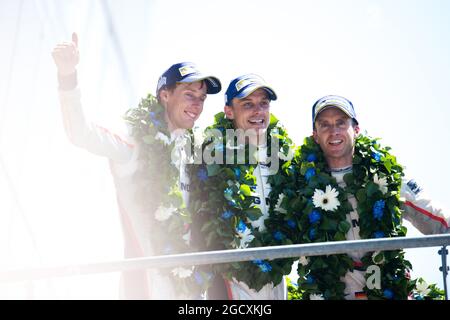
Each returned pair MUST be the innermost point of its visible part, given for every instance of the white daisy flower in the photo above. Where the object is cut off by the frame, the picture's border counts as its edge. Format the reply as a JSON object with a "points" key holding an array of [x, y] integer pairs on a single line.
{"points": [[164, 213], [161, 136], [327, 200], [181, 272], [303, 261], [422, 287], [382, 183], [246, 238], [278, 205], [316, 297]]}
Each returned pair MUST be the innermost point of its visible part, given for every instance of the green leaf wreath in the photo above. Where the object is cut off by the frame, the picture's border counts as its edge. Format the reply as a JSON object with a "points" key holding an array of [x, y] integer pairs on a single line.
{"points": [[223, 204], [159, 190], [317, 213]]}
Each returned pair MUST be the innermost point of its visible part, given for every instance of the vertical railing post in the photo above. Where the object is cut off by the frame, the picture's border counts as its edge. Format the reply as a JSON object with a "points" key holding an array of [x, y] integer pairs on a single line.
{"points": [[444, 268]]}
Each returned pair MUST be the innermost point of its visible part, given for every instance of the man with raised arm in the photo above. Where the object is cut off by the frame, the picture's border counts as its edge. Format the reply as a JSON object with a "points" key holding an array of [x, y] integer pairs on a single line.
{"points": [[147, 166]]}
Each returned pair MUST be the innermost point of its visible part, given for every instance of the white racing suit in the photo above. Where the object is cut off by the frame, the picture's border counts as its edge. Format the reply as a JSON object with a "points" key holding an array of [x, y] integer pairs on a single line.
{"points": [[135, 219], [417, 209], [238, 290]]}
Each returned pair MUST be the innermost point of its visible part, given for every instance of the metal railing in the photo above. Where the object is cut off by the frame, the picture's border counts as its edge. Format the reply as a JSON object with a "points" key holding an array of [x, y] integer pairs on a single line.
{"points": [[236, 255]]}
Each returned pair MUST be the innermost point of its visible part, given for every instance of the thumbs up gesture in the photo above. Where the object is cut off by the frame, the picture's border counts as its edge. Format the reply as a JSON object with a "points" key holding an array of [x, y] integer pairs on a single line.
{"points": [[66, 56]]}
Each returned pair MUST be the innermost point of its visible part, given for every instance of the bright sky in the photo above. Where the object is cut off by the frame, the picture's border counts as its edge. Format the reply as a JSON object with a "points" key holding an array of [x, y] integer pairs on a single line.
{"points": [[57, 202]]}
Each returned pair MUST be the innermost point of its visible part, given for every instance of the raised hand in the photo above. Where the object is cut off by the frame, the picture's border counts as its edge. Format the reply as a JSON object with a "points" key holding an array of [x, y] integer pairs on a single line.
{"points": [[66, 56]]}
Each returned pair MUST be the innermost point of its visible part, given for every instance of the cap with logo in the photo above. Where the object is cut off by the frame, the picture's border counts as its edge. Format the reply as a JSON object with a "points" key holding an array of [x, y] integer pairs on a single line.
{"points": [[245, 85], [333, 101], [186, 72]]}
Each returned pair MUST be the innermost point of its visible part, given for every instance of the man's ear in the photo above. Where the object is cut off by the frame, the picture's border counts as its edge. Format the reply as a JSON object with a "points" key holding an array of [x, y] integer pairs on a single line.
{"points": [[315, 137], [164, 97], [356, 128], [229, 112]]}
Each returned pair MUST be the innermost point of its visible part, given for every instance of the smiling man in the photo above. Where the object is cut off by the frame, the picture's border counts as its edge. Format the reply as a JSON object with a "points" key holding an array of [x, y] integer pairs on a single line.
{"points": [[379, 197], [247, 104], [335, 130], [181, 91], [225, 222]]}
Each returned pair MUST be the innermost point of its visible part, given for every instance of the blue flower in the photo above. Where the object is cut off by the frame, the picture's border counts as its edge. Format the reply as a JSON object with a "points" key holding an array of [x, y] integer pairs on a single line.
{"points": [[388, 294], [378, 234], [378, 208], [310, 173], [312, 234], [227, 214], [376, 156], [232, 203], [314, 216], [202, 174], [278, 235], [291, 223], [241, 227], [198, 278], [155, 121], [237, 173], [152, 116], [310, 279], [263, 265], [311, 157]]}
